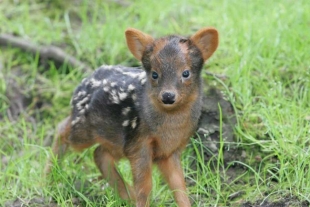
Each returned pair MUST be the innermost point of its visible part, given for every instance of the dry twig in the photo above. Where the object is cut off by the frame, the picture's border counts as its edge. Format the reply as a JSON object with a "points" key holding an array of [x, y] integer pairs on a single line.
{"points": [[46, 52]]}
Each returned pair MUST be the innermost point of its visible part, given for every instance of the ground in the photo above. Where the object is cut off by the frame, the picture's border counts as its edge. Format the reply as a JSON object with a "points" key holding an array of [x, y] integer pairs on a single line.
{"points": [[255, 151]]}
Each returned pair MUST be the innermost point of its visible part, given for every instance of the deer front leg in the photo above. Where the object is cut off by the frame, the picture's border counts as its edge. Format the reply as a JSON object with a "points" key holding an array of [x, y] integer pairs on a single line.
{"points": [[172, 172], [141, 165]]}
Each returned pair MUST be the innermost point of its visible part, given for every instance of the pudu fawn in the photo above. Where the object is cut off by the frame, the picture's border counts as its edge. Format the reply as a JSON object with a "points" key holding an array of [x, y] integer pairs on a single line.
{"points": [[144, 115]]}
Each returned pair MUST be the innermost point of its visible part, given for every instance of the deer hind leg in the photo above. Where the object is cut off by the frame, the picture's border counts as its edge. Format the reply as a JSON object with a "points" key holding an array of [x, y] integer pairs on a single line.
{"points": [[173, 174], [60, 144], [106, 164]]}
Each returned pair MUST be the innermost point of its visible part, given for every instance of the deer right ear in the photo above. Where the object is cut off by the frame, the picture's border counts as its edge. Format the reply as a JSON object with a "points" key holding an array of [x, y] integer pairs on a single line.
{"points": [[207, 40], [137, 42]]}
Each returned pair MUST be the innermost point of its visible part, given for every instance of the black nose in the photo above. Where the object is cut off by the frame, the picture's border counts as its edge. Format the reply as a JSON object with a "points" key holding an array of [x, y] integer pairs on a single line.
{"points": [[168, 98]]}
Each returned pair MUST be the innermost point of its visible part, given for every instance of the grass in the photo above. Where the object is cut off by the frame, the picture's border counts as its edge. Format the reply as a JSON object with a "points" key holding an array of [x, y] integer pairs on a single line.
{"points": [[264, 50]]}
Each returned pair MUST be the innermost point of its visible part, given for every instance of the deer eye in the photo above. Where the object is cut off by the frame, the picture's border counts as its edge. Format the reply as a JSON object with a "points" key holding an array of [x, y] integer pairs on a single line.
{"points": [[186, 74], [154, 75]]}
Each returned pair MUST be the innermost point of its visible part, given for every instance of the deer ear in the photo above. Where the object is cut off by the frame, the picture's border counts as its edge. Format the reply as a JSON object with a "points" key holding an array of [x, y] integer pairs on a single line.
{"points": [[206, 40], [137, 42]]}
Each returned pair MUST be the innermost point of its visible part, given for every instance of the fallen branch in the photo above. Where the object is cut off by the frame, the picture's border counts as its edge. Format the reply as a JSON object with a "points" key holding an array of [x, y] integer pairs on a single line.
{"points": [[46, 52]]}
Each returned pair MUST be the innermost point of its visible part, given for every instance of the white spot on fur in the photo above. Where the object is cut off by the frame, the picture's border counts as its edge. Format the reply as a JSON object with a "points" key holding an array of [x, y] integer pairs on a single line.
{"points": [[133, 75], [106, 88], [84, 100], [113, 97], [131, 87], [79, 94], [82, 111], [142, 75], [134, 123], [95, 83], [143, 81], [126, 110], [80, 103], [75, 121], [108, 67], [134, 97], [104, 82], [122, 95], [125, 123], [113, 84], [118, 69]]}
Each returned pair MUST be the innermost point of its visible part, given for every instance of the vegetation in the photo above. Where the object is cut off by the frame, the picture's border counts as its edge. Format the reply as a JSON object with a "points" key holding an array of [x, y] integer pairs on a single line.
{"points": [[264, 52]]}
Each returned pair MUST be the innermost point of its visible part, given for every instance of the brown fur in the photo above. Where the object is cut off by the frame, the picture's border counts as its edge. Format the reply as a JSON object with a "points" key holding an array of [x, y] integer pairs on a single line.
{"points": [[163, 129]]}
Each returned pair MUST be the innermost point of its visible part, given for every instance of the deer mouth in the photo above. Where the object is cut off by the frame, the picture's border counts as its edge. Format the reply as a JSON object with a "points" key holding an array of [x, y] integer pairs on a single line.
{"points": [[169, 105]]}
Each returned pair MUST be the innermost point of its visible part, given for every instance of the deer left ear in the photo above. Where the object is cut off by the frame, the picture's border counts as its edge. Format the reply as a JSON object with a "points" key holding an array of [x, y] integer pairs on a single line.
{"points": [[206, 40], [137, 42]]}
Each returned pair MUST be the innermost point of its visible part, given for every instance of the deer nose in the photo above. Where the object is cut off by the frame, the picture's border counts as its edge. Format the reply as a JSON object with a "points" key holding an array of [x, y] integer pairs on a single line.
{"points": [[168, 97]]}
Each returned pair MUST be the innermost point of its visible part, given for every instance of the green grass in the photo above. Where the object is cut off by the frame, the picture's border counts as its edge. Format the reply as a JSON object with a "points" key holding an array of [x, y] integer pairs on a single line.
{"points": [[264, 50]]}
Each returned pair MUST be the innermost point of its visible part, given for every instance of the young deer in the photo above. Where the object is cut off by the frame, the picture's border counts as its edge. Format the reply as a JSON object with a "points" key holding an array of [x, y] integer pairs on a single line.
{"points": [[144, 115]]}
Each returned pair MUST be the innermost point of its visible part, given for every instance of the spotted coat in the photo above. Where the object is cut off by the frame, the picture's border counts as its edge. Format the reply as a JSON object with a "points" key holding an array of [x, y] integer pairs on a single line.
{"points": [[108, 100]]}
